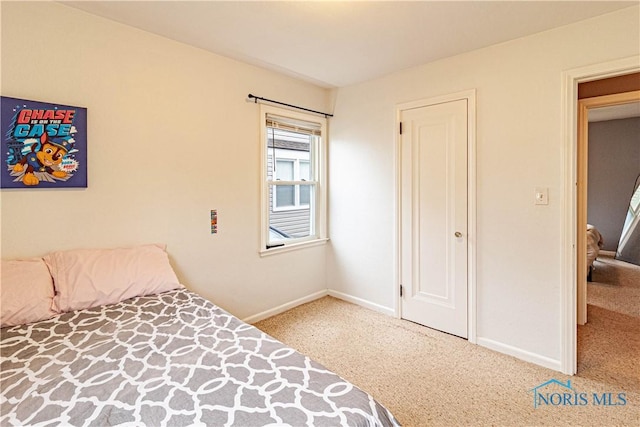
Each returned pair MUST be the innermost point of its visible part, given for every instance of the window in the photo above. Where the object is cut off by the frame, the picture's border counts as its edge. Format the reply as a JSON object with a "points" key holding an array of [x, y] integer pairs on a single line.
{"points": [[293, 179], [635, 201], [632, 213], [291, 196]]}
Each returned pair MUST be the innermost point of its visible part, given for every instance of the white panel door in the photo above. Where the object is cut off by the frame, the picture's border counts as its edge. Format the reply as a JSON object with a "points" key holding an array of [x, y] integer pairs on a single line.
{"points": [[434, 216]]}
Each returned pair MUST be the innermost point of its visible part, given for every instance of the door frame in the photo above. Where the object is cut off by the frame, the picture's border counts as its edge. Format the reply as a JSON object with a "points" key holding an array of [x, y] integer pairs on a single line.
{"points": [[470, 97], [584, 105], [569, 113]]}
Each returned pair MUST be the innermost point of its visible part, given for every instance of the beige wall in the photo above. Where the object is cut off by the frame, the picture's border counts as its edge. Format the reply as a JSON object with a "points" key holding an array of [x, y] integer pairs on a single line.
{"points": [[170, 137], [519, 147]]}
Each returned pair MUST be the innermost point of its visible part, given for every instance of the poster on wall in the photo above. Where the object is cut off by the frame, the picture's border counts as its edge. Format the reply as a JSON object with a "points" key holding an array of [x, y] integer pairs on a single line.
{"points": [[43, 145]]}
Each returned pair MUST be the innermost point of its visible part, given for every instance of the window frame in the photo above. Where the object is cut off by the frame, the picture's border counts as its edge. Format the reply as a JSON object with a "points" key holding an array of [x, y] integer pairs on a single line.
{"points": [[317, 164], [297, 204]]}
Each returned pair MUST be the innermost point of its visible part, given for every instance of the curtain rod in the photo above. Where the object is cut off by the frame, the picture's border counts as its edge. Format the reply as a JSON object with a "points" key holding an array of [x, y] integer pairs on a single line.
{"points": [[256, 98]]}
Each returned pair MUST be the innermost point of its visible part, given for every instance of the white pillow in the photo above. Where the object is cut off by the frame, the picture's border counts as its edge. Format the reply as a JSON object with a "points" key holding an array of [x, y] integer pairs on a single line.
{"points": [[26, 292], [85, 278]]}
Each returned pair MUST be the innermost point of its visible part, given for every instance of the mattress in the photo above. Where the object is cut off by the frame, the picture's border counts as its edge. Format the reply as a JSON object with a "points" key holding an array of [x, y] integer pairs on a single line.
{"points": [[170, 359], [594, 244]]}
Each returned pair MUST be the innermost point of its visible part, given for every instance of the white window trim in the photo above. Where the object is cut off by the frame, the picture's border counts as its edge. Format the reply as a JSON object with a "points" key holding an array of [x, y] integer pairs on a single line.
{"points": [[319, 164], [294, 246]]}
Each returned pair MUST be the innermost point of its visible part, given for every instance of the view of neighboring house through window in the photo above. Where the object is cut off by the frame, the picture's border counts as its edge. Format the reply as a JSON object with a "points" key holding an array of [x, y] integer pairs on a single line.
{"points": [[293, 157], [291, 165]]}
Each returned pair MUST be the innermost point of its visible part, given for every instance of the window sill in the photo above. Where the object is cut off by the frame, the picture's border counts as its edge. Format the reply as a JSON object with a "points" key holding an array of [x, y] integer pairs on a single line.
{"points": [[293, 247], [290, 208]]}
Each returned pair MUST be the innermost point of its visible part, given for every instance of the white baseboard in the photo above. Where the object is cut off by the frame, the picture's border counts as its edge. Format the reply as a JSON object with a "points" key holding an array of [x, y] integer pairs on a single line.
{"points": [[362, 302], [286, 306], [314, 296], [527, 356]]}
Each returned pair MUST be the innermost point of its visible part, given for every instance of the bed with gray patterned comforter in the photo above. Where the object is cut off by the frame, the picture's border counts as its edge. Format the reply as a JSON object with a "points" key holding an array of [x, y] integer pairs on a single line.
{"points": [[170, 359]]}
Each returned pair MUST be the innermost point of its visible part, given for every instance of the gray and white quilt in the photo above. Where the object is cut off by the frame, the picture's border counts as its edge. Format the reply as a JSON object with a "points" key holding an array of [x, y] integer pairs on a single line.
{"points": [[171, 359]]}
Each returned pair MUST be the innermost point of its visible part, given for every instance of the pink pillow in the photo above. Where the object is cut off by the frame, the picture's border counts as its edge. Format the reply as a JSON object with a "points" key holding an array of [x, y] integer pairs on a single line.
{"points": [[26, 292], [86, 278]]}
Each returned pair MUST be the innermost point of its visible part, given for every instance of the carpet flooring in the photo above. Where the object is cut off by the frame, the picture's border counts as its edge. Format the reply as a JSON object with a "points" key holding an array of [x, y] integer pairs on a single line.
{"points": [[609, 344], [429, 378]]}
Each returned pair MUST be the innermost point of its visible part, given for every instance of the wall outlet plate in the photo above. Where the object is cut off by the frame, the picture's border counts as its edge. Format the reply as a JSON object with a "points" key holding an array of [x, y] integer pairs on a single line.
{"points": [[214, 221]]}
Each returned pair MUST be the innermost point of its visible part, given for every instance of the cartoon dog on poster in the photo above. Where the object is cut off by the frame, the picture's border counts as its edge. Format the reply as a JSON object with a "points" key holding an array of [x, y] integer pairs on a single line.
{"points": [[43, 145], [46, 159]]}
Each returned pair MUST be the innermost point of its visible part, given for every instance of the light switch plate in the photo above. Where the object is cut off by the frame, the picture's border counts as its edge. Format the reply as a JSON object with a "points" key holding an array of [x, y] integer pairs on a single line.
{"points": [[542, 195]]}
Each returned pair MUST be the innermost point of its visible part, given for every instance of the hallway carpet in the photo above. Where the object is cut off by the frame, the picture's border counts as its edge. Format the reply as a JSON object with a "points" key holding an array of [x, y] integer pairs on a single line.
{"points": [[609, 344]]}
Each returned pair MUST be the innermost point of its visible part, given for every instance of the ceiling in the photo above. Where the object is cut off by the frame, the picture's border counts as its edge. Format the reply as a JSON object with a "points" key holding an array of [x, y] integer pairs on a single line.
{"points": [[340, 43], [614, 112]]}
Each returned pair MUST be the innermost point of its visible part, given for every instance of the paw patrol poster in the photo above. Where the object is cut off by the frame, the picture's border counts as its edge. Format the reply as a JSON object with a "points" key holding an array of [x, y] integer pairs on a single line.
{"points": [[43, 145]]}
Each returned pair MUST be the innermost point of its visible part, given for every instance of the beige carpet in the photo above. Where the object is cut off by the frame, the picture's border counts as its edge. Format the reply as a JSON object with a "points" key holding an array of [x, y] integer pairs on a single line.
{"points": [[609, 344], [429, 378], [615, 286]]}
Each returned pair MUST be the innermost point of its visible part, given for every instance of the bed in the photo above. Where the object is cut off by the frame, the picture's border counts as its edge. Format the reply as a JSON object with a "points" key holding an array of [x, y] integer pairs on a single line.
{"points": [[595, 242], [168, 358]]}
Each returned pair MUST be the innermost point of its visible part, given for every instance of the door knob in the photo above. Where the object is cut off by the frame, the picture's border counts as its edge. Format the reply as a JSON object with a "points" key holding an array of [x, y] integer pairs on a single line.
{"points": [[458, 234]]}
